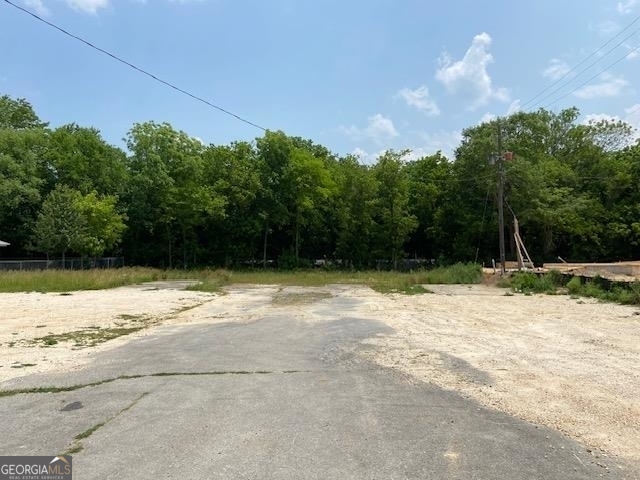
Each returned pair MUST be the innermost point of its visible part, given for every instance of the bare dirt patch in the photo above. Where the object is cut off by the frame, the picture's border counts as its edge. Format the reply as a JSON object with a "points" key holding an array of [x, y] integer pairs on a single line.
{"points": [[41, 332]]}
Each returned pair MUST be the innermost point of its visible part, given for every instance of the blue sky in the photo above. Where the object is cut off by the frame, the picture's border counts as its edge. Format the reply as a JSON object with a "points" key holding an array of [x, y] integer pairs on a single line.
{"points": [[355, 76]]}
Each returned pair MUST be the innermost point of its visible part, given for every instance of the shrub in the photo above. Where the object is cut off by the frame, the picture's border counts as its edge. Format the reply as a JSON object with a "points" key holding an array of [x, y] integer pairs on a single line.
{"points": [[527, 282], [574, 286]]}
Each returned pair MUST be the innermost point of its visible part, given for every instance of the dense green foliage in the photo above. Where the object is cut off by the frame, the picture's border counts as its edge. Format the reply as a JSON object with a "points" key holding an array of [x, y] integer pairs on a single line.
{"points": [[171, 201], [554, 282]]}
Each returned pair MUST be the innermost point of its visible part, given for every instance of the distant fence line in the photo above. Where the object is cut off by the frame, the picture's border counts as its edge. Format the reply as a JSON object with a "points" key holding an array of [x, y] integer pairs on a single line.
{"points": [[60, 264]]}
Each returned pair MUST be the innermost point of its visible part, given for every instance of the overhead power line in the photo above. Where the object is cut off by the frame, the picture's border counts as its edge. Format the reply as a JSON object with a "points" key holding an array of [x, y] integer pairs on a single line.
{"points": [[572, 69], [633, 50], [138, 69]]}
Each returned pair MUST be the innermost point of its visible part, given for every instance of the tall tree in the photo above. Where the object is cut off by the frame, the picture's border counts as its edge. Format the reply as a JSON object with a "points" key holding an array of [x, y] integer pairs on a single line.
{"points": [[428, 177], [60, 224], [356, 202], [274, 153], [234, 172], [310, 182], [21, 183], [394, 218], [18, 114], [79, 158], [167, 193], [71, 222]]}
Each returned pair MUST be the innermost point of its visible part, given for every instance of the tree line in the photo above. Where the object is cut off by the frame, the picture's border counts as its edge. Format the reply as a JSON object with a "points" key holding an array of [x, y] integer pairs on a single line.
{"points": [[171, 201]]}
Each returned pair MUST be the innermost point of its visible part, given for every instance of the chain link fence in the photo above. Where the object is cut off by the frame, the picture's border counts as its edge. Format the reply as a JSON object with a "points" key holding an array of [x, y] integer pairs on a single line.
{"points": [[60, 264]]}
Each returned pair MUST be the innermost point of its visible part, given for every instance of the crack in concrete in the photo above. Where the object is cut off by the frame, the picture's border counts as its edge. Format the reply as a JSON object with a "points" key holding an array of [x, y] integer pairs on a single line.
{"points": [[77, 445], [71, 388]]}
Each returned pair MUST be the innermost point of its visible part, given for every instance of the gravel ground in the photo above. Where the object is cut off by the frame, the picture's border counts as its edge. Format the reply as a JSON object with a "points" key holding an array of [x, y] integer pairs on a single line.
{"points": [[569, 364]]}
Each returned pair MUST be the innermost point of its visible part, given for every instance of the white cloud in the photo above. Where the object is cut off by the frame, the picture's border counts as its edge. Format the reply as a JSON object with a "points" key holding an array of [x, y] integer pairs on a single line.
{"points": [[514, 107], [368, 158], [419, 98], [444, 141], [36, 6], [556, 70], [607, 27], [487, 117], [626, 7], [598, 117], [611, 86], [379, 128], [633, 117], [88, 6], [469, 77]]}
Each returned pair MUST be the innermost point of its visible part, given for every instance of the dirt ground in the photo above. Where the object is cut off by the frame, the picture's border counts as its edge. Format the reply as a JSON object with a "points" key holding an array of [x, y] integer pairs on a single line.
{"points": [[566, 363]]}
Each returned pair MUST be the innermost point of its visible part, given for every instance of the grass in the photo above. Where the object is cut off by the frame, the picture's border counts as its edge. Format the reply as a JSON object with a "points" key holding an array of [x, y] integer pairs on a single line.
{"points": [[623, 293], [528, 283], [65, 281], [381, 281], [553, 282], [86, 338], [209, 280]]}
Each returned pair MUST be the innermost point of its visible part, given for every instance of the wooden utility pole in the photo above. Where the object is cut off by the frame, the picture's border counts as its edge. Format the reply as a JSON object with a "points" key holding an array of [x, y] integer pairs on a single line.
{"points": [[500, 164], [524, 260]]}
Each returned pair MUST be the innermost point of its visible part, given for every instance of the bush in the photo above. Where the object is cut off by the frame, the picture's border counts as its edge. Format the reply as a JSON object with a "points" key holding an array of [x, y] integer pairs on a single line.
{"points": [[527, 282], [459, 273], [574, 286]]}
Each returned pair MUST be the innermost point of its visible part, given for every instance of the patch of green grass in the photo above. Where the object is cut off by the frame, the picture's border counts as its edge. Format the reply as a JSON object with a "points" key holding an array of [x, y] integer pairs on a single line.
{"points": [[88, 432], [65, 281], [528, 283], [381, 281], [71, 388], [616, 292], [604, 290], [459, 273], [76, 448], [87, 338]]}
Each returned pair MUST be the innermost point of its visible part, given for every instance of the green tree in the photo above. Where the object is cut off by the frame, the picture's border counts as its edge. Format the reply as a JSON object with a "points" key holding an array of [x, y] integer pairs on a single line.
{"points": [[355, 207], [394, 219], [234, 172], [18, 114], [428, 177], [79, 158], [21, 183], [167, 194], [103, 225], [310, 184], [274, 154], [71, 222], [60, 223]]}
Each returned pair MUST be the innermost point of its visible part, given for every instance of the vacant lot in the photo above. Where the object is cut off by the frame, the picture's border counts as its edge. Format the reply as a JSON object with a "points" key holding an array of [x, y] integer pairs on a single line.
{"points": [[571, 364]]}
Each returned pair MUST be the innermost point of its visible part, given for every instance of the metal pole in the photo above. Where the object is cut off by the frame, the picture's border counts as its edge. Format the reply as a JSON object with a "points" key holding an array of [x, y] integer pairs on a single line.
{"points": [[500, 163]]}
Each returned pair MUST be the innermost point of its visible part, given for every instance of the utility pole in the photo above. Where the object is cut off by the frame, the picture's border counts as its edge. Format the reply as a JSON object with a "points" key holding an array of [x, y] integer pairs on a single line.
{"points": [[500, 164]]}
